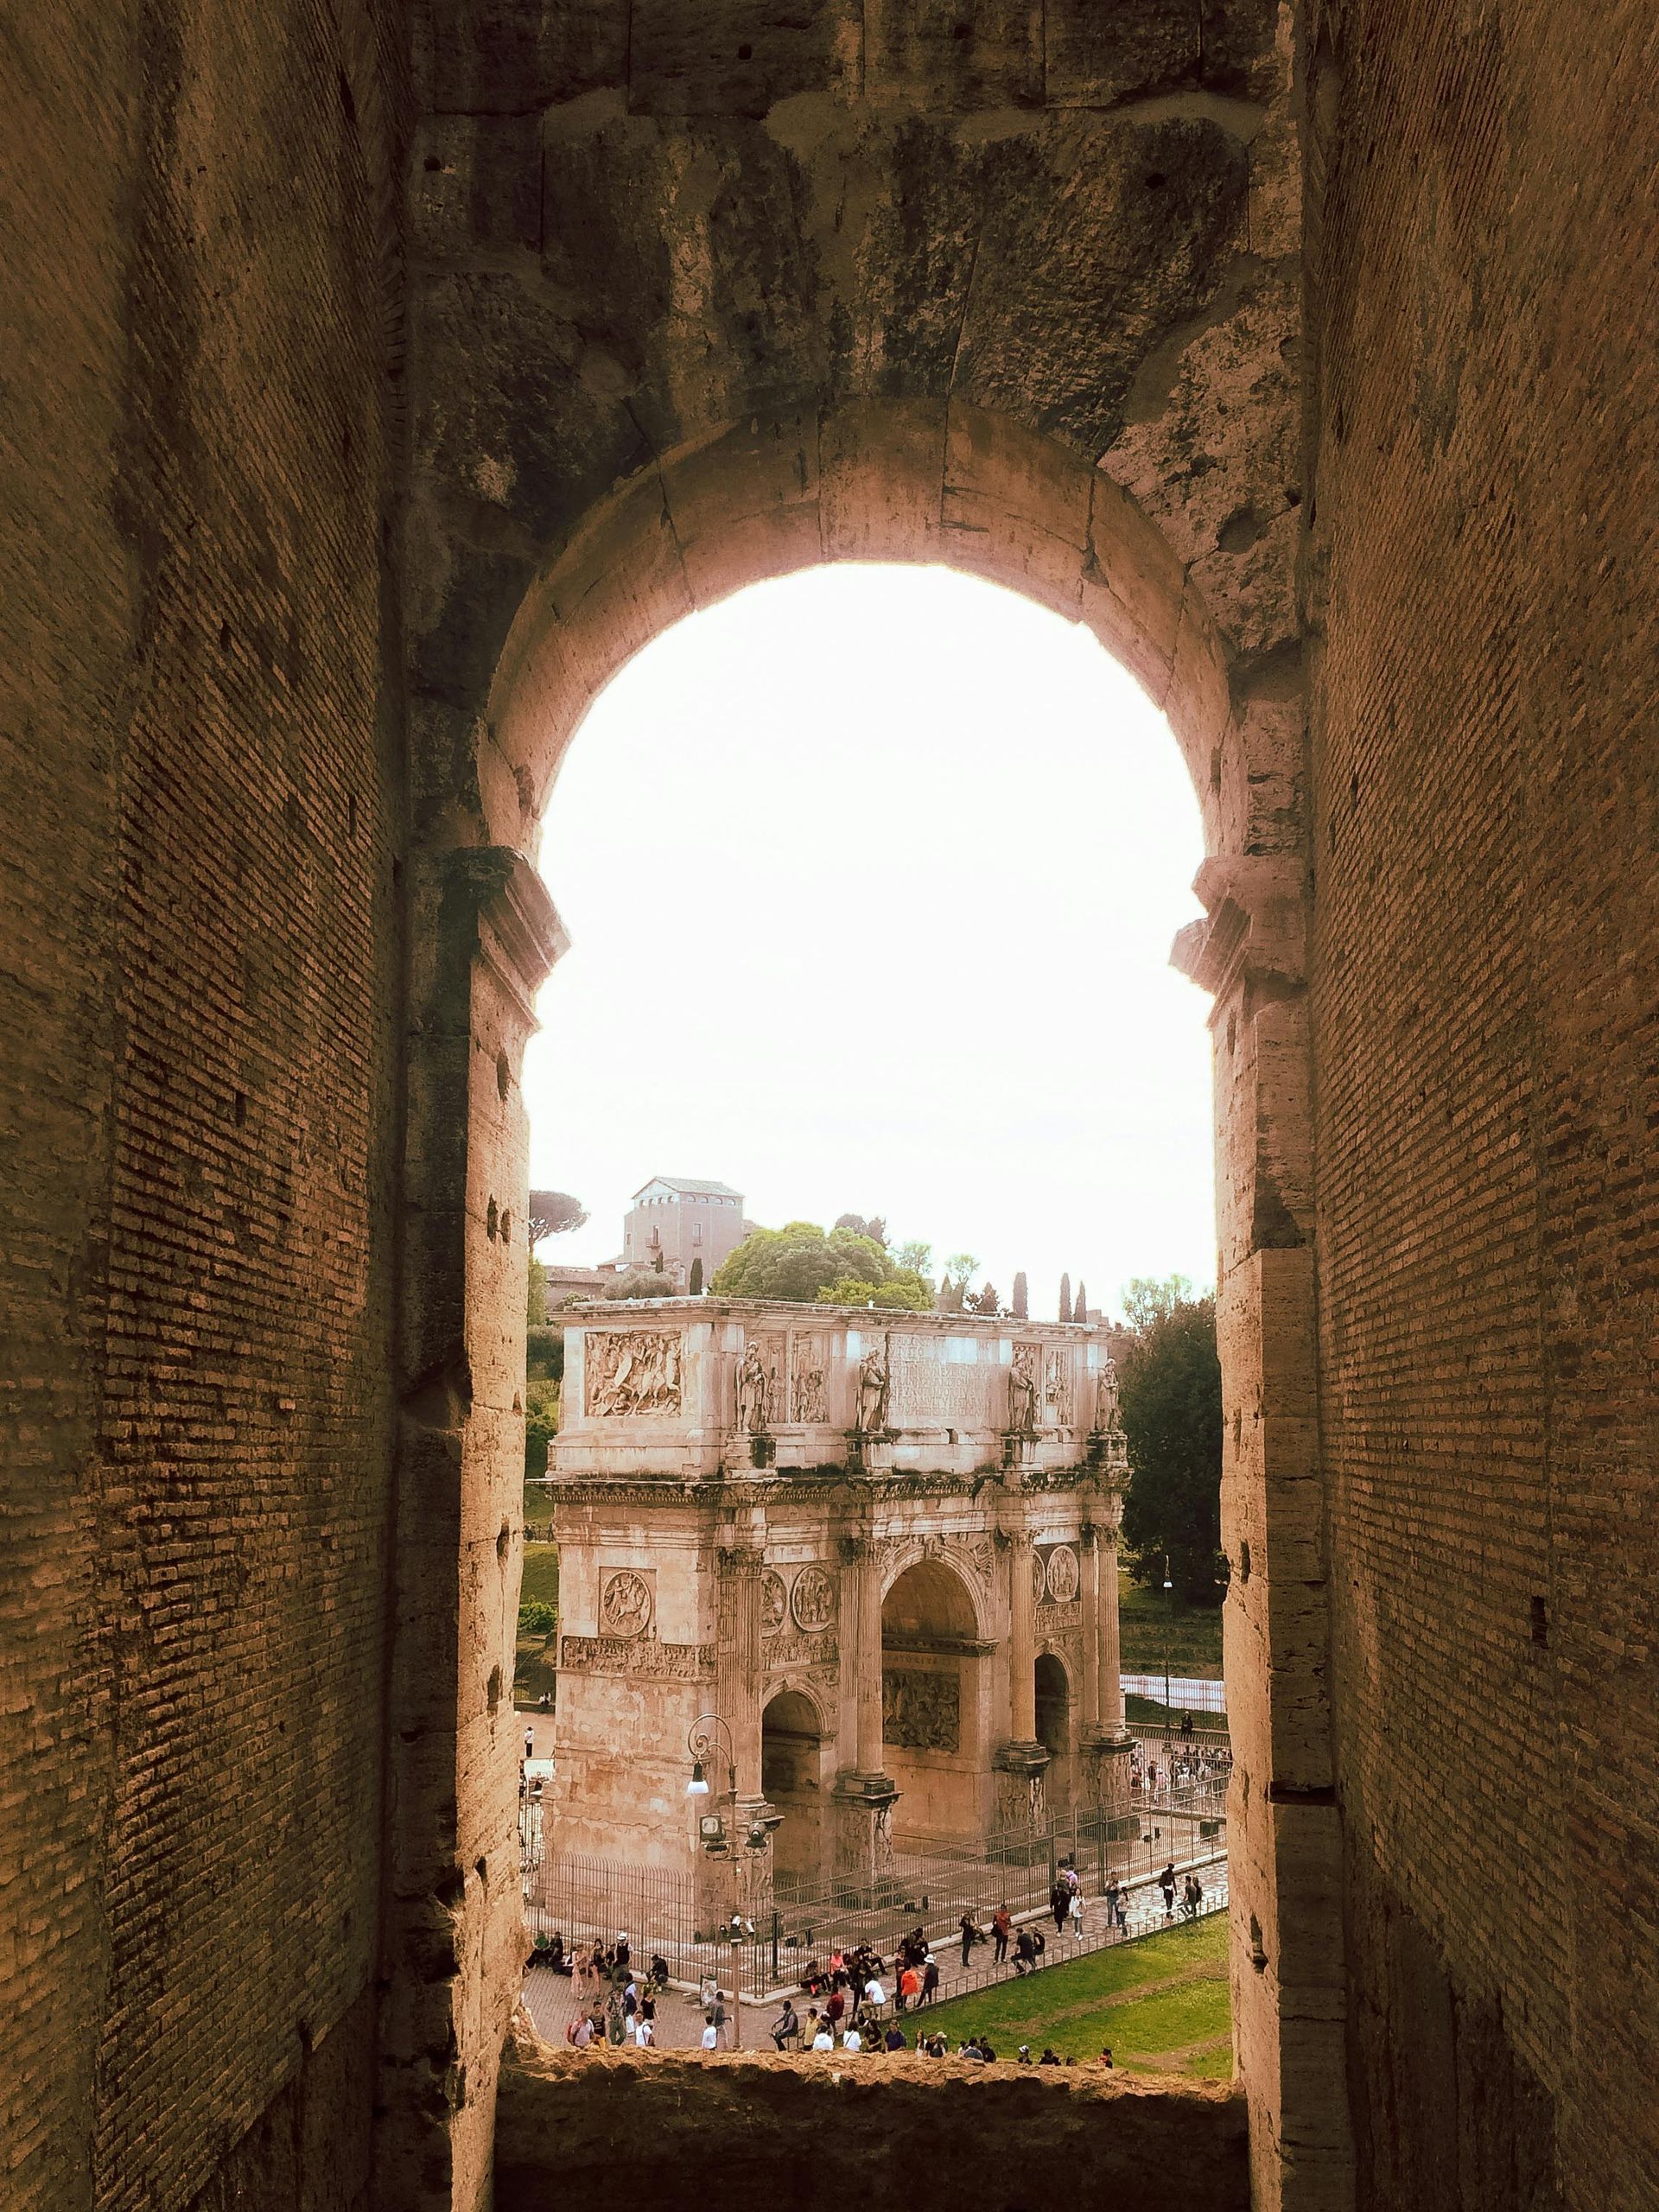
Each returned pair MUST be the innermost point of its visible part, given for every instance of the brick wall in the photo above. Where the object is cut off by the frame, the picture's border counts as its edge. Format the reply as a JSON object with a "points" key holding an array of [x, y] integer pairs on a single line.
{"points": [[1486, 781], [201, 1004]]}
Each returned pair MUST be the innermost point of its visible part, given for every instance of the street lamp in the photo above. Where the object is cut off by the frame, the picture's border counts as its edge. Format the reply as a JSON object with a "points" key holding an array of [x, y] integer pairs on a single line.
{"points": [[708, 1736], [1169, 1745]]}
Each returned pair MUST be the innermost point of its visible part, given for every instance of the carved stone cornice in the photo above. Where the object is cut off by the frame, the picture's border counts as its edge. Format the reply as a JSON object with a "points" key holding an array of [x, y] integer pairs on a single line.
{"points": [[520, 934], [1255, 928]]}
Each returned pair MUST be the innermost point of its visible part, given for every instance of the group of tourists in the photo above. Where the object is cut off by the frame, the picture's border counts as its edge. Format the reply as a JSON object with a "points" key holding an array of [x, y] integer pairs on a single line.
{"points": [[1192, 1899], [857, 1986], [616, 2001]]}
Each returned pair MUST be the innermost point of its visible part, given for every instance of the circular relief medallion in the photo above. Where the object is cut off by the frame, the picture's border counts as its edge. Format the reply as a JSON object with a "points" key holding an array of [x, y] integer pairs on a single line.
{"points": [[813, 1599], [1062, 1574], [625, 1605], [775, 1600]]}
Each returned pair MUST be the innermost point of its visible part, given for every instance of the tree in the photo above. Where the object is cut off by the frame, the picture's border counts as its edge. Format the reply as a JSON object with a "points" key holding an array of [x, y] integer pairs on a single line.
{"points": [[696, 1284], [1021, 1297], [1148, 1299], [1080, 1303], [1169, 1395], [914, 1257], [875, 1228], [902, 1291], [800, 1260], [638, 1283], [536, 1297], [986, 1302], [1066, 1298], [551, 1213]]}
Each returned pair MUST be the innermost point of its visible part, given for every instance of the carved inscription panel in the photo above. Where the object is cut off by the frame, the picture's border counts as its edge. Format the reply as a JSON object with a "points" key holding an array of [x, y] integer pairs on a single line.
{"points": [[930, 1390]]}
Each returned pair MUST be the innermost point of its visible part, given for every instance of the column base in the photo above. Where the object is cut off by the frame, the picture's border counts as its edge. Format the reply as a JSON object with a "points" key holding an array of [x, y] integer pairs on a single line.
{"points": [[1106, 1757], [861, 1811], [1022, 1802]]}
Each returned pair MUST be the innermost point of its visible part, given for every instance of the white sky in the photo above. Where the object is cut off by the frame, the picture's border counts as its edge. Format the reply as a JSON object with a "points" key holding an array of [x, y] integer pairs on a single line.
{"points": [[870, 875]]}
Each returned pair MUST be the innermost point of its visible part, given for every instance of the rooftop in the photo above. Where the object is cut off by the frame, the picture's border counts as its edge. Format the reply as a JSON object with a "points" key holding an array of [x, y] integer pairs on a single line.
{"points": [[691, 1185]]}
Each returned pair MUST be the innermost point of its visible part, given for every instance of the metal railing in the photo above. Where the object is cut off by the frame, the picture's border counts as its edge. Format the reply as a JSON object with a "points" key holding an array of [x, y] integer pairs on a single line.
{"points": [[930, 1882]]}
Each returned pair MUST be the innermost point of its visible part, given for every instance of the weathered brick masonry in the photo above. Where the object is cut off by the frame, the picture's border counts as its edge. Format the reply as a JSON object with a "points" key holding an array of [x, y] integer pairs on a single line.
{"points": [[696, 294], [203, 814], [1480, 575]]}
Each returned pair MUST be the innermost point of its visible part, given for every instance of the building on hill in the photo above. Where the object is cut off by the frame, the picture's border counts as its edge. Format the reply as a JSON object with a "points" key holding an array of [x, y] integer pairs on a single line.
{"points": [[676, 1220]]}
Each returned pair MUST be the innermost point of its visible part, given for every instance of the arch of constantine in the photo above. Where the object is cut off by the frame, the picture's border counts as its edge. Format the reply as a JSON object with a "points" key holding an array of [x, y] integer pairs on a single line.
{"points": [[875, 1544]]}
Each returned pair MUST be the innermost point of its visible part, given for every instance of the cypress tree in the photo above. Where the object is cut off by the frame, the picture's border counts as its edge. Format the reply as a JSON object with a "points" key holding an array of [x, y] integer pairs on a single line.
{"points": [[1021, 1301], [1066, 1298], [697, 1278], [1080, 1303]]}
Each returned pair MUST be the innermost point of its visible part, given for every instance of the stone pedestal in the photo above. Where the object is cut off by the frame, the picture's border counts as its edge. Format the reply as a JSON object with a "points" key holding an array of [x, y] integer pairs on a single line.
{"points": [[1020, 1768], [1106, 1764], [862, 1814]]}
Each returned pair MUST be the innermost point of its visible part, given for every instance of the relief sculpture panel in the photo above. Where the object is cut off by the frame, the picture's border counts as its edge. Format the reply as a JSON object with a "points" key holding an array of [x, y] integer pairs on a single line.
{"points": [[632, 1371], [921, 1712], [1056, 1387], [808, 1387]]}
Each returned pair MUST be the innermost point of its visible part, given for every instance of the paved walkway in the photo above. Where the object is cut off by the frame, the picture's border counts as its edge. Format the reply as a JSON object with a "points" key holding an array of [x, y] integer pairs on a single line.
{"points": [[551, 1997]]}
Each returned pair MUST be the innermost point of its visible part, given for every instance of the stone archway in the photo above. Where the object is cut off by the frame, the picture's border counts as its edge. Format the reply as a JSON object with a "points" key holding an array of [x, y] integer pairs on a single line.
{"points": [[1055, 1733], [792, 1750], [666, 345], [935, 1701]]}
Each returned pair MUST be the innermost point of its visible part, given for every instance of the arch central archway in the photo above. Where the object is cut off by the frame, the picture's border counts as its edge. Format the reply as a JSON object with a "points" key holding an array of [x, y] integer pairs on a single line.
{"points": [[935, 1705]]}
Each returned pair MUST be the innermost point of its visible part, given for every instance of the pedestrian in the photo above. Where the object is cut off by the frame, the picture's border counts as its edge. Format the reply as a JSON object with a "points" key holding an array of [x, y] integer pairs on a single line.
{"points": [[786, 2027], [530, 1742], [929, 1980], [1074, 1914], [1039, 1946], [1024, 1953], [1060, 1904], [1001, 1925], [710, 2036], [1166, 1884], [910, 1988], [645, 2033], [971, 1935]]}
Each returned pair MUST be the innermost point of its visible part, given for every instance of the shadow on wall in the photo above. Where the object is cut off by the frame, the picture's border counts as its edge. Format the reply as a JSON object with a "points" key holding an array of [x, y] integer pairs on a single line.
{"points": [[792, 2132]]}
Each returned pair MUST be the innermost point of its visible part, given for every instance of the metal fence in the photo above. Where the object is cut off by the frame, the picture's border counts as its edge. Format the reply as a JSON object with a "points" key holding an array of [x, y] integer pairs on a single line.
{"points": [[932, 1882]]}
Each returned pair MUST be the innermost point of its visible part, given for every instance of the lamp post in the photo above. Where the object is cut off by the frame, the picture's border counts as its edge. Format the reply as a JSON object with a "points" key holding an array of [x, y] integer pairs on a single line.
{"points": [[709, 1736], [1169, 1743]]}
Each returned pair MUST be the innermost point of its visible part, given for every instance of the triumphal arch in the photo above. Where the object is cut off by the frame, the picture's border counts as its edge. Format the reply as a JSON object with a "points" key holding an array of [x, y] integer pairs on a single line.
{"points": [[881, 1546]]}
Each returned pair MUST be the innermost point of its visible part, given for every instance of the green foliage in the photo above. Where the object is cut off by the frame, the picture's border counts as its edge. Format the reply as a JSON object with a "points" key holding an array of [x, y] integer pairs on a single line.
{"points": [[540, 1585], [903, 1293], [960, 1268], [913, 1257], [1148, 1299], [537, 1618], [640, 1282], [1080, 1303], [694, 1284], [875, 1228], [536, 1303], [541, 1425], [800, 1261], [986, 1301], [1169, 1395], [545, 1353]]}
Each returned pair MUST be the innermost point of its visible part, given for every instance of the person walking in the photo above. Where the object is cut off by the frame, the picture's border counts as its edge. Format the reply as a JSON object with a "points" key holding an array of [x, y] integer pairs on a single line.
{"points": [[1060, 1904], [1166, 1884], [1074, 1914], [1024, 1953], [929, 1980], [1002, 1926]]}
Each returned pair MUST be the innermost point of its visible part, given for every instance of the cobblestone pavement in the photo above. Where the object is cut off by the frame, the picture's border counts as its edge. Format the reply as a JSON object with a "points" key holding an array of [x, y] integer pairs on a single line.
{"points": [[551, 1999]]}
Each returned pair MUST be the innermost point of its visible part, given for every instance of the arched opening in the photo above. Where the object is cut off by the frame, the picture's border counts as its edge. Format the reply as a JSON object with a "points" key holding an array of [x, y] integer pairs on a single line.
{"points": [[934, 1689], [792, 1776], [1054, 1703]]}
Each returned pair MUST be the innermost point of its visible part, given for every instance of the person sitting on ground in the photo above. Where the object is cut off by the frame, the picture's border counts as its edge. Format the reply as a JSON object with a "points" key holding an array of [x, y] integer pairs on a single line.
{"points": [[659, 1970], [1025, 2054], [785, 2027], [824, 2039], [1050, 2057], [894, 2039]]}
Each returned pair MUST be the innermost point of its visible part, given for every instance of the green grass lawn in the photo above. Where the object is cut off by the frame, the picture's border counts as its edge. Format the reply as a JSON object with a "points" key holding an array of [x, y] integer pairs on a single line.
{"points": [[541, 1574], [1162, 2004], [1145, 1619]]}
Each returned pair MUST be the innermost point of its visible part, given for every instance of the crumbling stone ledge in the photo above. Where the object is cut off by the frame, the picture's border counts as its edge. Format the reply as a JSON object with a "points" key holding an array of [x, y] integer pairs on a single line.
{"points": [[890, 2134]]}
